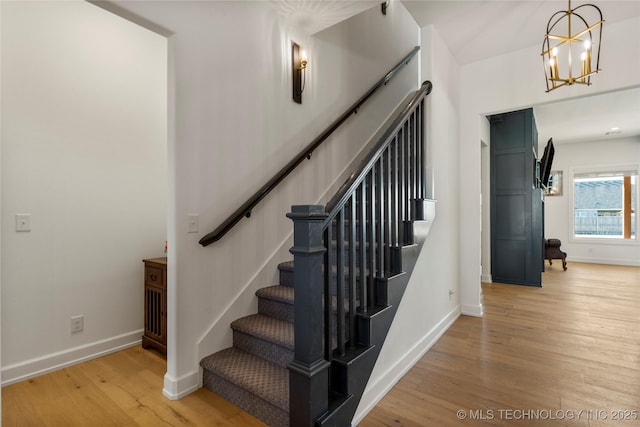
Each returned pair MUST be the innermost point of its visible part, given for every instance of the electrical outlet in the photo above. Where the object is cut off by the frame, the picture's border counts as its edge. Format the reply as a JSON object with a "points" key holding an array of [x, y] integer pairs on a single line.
{"points": [[77, 324]]}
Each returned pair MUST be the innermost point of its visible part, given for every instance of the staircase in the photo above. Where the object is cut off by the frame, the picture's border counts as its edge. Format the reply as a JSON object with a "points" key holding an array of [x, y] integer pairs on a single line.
{"points": [[253, 373], [358, 253]]}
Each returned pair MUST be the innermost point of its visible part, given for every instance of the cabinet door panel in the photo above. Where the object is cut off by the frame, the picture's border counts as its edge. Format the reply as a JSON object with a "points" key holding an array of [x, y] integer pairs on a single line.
{"points": [[154, 312], [509, 172], [513, 260], [510, 216]]}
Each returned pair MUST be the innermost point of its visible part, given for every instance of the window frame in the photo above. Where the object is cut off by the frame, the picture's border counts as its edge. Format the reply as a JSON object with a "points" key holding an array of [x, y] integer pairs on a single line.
{"points": [[613, 168]]}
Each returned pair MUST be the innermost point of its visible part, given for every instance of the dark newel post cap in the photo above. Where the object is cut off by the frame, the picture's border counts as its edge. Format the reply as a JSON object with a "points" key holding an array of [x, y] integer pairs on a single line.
{"points": [[307, 211]]}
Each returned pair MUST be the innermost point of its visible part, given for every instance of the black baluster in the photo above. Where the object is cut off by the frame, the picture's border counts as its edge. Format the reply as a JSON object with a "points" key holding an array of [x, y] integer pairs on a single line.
{"points": [[328, 279], [381, 209], [362, 218], [394, 192], [402, 202], [422, 149], [340, 329], [371, 238], [414, 158], [352, 268], [387, 191]]}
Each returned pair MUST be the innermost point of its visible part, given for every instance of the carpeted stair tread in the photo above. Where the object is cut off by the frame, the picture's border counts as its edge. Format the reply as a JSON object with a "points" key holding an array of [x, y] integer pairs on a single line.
{"points": [[286, 265], [261, 378], [277, 293], [266, 328]]}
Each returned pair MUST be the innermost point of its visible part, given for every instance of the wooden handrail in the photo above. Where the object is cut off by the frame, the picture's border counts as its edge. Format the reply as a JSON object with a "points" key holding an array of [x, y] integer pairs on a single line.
{"points": [[247, 207]]}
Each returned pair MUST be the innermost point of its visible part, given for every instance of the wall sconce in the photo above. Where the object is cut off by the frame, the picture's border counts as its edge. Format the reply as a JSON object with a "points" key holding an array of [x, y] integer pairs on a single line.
{"points": [[298, 69], [384, 6], [572, 57]]}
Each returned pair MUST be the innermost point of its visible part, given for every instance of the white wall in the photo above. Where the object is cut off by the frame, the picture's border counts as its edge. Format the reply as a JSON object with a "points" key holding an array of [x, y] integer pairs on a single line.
{"points": [[559, 209], [427, 309], [84, 152], [235, 126], [1, 216], [511, 82]]}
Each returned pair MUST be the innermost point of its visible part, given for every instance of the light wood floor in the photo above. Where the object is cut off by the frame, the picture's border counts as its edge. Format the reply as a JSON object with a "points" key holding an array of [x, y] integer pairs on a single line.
{"points": [[121, 389], [572, 345], [569, 346]]}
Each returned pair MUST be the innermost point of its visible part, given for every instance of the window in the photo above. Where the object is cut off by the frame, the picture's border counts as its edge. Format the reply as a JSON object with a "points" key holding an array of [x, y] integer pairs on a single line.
{"points": [[605, 204]]}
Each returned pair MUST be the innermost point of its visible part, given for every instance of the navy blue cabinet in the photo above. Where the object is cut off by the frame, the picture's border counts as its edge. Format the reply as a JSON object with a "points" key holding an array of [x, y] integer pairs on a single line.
{"points": [[517, 242]]}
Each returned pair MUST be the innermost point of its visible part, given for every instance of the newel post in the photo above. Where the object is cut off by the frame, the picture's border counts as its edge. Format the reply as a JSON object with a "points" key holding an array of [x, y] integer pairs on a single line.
{"points": [[309, 371]]}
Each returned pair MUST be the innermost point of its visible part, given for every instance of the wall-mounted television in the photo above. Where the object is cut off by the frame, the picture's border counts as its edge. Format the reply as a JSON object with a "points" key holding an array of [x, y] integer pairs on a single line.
{"points": [[545, 163]]}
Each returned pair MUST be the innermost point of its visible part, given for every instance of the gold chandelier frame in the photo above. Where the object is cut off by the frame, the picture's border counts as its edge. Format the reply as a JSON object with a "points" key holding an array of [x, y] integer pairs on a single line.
{"points": [[558, 50]]}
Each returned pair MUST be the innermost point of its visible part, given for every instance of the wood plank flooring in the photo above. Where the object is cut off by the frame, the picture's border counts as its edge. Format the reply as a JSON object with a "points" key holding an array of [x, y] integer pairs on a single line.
{"points": [[571, 345], [120, 389], [538, 357]]}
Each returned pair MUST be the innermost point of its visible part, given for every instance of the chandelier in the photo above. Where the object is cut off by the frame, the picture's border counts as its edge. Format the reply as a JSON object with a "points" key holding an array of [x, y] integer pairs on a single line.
{"points": [[572, 57]]}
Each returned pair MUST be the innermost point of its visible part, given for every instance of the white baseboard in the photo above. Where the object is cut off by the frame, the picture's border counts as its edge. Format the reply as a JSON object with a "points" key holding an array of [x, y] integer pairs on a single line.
{"points": [[177, 388], [609, 261], [486, 278], [472, 310], [376, 391], [21, 371]]}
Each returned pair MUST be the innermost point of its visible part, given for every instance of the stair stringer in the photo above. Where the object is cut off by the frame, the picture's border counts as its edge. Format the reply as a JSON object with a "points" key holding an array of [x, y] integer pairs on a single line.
{"points": [[360, 366]]}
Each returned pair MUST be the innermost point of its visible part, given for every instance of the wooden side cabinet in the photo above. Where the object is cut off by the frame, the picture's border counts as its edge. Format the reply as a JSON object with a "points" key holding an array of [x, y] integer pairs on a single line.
{"points": [[155, 304]]}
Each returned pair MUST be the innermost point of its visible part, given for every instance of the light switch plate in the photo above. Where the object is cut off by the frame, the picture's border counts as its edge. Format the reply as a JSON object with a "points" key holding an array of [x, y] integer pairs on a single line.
{"points": [[23, 222], [194, 225]]}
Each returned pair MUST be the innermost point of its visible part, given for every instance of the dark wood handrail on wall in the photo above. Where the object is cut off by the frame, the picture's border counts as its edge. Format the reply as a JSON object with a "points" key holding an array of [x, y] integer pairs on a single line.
{"points": [[247, 207]]}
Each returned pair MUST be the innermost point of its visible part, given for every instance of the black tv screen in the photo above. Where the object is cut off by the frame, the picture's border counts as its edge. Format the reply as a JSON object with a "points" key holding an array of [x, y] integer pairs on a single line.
{"points": [[545, 163]]}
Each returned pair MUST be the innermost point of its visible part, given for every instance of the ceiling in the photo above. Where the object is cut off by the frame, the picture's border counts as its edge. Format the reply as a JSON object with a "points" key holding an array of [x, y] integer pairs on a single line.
{"points": [[312, 16], [590, 119], [475, 30], [517, 25], [479, 29]]}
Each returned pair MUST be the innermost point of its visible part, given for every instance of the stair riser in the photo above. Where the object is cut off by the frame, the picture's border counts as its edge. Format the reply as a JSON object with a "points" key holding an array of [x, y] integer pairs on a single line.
{"points": [[270, 414], [285, 311], [348, 377], [269, 351], [277, 309], [286, 277]]}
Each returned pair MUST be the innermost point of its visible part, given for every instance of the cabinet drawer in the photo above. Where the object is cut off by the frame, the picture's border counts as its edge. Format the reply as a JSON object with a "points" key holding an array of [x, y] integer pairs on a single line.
{"points": [[153, 276]]}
